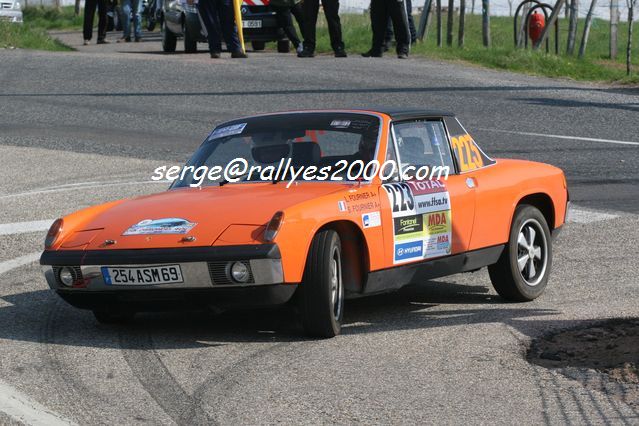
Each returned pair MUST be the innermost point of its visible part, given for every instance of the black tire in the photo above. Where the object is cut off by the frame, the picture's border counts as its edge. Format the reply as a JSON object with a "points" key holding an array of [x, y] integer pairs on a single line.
{"points": [[283, 46], [169, 40], [321, 294], [190, 44], [114, 317], [258, 45], [522, 272]]}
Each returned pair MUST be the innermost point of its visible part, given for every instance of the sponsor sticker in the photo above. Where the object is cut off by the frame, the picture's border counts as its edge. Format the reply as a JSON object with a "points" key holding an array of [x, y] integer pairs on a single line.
{"points": [[341, 124], [422, 224], [371, 220], [223, 132], [171, 225], [341, 205], [409, 251], [408, 227]]}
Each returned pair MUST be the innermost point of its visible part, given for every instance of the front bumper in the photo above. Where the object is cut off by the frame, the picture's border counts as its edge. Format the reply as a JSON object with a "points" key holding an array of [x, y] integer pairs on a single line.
{"points": [[205, 277], [11, 16]]}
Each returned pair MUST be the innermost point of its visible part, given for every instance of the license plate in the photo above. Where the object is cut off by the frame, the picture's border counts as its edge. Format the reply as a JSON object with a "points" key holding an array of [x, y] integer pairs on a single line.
{"points": [[142, 275], [252, 24]]}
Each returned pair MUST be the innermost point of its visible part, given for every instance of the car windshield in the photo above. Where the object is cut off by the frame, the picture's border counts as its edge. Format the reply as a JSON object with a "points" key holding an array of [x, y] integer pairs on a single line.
{"points": [[322, 139]]}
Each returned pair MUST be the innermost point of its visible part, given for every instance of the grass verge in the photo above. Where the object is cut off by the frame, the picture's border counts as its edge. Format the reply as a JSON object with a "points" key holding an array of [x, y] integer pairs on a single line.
{"points": [[28, 37], [595, 66]]}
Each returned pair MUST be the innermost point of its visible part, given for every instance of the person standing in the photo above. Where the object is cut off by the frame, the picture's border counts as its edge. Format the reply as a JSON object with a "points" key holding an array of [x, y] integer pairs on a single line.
{"points": [[411, 26], [331, 11], [381, 10], [89, 14], [283, 10], [218, 17], [127, 7]]}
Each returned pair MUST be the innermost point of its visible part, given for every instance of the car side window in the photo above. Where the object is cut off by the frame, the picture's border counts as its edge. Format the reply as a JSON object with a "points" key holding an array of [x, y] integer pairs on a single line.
{"points": [[423, 143]]}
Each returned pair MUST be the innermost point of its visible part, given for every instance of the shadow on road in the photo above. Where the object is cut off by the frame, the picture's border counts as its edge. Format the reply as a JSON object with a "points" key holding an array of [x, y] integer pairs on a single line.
{"points": [[51, 320]]}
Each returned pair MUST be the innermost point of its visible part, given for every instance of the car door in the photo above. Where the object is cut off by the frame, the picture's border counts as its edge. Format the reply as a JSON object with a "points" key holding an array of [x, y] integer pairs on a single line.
{"points": [[473, 167], [426, 215]]}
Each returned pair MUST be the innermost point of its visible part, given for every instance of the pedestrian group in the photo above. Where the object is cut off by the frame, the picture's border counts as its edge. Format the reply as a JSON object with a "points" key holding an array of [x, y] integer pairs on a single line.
{"points": [[388, 18]]}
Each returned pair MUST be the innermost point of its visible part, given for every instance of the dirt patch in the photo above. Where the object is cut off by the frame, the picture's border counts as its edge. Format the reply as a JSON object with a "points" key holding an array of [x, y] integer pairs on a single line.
{"points": [[603, 356]]}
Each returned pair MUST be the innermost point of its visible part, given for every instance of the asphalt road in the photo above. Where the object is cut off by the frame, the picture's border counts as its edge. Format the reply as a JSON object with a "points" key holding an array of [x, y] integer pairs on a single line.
{"points": [[90, 126]]}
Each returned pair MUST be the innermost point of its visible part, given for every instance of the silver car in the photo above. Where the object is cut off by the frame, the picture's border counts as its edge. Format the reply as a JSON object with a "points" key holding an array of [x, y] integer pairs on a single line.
{"points": [[11, 11]]}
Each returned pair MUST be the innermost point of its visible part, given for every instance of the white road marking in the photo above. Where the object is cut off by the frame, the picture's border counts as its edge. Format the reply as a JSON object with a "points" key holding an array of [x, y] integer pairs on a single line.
{"points": [[22, 408], [578, 215], [579, 138], [24, 227], [13, 402], [8, 265], [79, 186]]}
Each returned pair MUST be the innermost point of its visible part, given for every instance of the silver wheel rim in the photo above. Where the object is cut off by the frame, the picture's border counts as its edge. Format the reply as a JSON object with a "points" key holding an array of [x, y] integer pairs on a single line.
{"points": [[336, 283], [532, 252]]}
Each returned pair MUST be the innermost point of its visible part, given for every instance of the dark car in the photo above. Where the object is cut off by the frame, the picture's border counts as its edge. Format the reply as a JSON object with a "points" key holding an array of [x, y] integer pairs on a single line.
{"points": [[179, 19]]}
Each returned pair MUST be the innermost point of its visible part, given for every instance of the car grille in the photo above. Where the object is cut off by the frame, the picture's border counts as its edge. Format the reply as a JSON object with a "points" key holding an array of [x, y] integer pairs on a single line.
{"points": [[217, 271], [6, 5], [77, 274]]}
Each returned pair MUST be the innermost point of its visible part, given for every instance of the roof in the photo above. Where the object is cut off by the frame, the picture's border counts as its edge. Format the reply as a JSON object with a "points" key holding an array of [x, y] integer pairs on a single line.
{"points": [[405, 113]]}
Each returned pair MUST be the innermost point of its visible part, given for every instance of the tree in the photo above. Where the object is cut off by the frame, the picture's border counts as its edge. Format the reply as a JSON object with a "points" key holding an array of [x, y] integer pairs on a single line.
{"points": [[450, 22], [462, 22], [572, 26], [485, 22], [584, 38], [631, 13], [614, 19]]}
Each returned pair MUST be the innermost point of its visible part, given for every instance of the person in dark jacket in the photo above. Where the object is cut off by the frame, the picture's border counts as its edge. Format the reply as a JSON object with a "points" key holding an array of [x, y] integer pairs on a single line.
{"points": [[411, 26], [331, 11], [89, 14], [219, 18], [283, 10], [381, 10]]}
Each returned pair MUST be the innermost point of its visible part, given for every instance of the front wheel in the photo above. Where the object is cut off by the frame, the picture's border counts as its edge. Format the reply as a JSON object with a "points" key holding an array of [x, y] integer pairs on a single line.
{"points": [[321, 299], [521, 273], [169, 40]]}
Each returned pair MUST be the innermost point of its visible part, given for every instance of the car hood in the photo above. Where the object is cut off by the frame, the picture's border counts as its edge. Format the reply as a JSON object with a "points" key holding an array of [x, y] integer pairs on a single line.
{"points": [[164, 219]]}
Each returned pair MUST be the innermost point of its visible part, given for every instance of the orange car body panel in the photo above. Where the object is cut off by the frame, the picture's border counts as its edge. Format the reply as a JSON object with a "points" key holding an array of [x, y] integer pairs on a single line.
{"points": [[238, 213]]}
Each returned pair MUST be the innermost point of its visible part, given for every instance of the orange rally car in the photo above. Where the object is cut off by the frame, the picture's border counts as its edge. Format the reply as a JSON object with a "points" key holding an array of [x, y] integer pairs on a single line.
{"points": [[262, 240]]}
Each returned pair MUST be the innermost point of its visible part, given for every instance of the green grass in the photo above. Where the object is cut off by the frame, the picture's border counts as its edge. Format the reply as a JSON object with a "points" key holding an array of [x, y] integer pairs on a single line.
{"points": [[595, 66], [37, 21], [50, 18], [28, 37]]}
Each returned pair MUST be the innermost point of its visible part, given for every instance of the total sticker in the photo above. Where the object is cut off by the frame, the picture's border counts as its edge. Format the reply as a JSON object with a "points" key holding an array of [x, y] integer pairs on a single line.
{"points": [[371, 220]]}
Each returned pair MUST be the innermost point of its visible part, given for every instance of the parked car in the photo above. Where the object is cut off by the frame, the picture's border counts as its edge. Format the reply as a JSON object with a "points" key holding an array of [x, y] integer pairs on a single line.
{"points": [[254, 243], [179, 19], [11, 11]]}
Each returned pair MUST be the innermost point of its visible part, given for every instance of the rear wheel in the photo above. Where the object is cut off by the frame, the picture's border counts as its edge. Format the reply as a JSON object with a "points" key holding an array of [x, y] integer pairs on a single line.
{"points": [[258, 45], [283, 46], [190, 44], [321, 298], [114, 317], [522, 272]]}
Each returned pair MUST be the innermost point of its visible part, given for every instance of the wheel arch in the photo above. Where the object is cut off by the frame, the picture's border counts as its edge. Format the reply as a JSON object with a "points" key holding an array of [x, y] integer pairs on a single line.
{"points": [[544, 203], [355, 254]]}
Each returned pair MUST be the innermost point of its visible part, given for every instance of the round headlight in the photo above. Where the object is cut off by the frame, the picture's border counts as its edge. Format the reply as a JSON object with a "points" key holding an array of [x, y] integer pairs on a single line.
{"points": [[66, 276], [240, 272]]}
